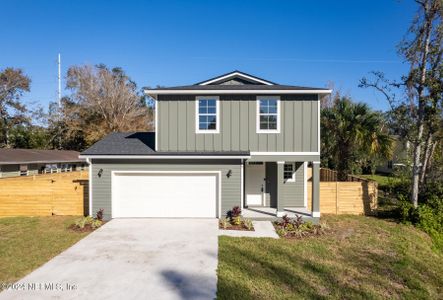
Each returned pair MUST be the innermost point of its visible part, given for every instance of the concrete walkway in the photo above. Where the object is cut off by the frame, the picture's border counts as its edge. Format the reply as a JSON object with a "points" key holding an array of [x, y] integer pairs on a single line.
{"points": [[262, 229], [132, 259]]}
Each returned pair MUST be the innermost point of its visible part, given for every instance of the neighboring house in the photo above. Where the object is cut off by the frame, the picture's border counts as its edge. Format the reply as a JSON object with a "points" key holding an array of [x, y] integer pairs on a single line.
{"points": [[399, 156], [24, 162], [233, 140]]}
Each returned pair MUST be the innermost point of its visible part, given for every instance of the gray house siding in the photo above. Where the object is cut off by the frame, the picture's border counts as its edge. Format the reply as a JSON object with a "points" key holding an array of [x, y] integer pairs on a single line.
{"points": [[238, 117], [292, 192], [101, 186]]}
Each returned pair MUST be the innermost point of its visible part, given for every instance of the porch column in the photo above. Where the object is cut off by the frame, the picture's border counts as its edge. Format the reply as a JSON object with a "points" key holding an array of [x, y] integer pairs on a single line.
{"points": [[316, 189], [280, 182]]}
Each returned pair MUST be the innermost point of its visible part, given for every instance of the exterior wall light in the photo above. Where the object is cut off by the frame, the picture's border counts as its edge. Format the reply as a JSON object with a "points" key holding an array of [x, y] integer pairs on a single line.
{"points": [[229, 174], [100, 172]]}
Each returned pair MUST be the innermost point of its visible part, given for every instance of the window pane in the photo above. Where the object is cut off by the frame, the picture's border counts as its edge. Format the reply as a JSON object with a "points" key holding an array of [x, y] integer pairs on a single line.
{"points": [[203, 119], [211, 110], [272, 125], [212, 120], [203, 110], [202, 103], [211, 102], [273, 109], [203, 126]]}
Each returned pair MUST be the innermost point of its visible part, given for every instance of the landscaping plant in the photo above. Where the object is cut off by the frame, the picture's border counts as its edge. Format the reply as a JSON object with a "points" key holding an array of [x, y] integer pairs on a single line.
{"points": [[88, 222], [235, 221], [297, 228], [99, 214]]}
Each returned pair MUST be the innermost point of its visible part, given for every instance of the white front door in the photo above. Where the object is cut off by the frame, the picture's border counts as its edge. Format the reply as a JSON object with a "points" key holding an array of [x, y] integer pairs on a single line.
{"points": [[255, 184], [164, 195]]}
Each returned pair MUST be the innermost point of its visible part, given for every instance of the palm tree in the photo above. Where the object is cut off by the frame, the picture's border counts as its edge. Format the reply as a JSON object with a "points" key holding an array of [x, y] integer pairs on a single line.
{"points": [[352, 132]]}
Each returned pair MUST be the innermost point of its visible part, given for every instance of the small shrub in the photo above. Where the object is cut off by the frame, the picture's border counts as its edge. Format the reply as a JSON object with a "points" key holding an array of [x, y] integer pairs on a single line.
{"points": [[85, 222], [285, 220], [290, 227], [99, 214], [297, 228], [236, 221], [224, 223], [248, 224], [281, 232], [298, 221], [82, 222], [96, 223], [234, 212]]}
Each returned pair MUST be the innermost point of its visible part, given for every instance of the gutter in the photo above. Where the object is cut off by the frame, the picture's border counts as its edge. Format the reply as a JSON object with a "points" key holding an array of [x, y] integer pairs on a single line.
{"points": [[88, 157]]}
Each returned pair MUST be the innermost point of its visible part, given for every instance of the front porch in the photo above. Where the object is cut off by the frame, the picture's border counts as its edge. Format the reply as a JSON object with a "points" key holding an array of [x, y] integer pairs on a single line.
{"points": [[277, 188]]}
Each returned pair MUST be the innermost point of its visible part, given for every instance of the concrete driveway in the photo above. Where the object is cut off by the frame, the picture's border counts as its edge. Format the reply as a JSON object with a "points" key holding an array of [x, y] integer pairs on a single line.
{"points": [[132, 259]]}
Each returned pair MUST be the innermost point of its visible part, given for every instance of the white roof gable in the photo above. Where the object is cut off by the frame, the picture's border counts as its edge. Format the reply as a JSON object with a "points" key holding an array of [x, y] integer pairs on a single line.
{"points": [[237, 74]]}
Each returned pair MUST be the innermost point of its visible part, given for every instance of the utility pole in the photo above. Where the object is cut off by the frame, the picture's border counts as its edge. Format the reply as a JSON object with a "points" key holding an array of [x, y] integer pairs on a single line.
{"points": [[59, 94], [59, 98]]}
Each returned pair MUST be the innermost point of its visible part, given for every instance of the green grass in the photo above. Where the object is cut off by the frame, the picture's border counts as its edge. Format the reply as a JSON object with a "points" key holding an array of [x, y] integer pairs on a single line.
{"points": [[28, 242], [382, 180], [363, 258]]}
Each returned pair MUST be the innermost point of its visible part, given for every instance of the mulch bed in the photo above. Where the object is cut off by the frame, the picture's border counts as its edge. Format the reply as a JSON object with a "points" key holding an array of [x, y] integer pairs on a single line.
{"points": [[87, 228], [306, 234], [236, 227]]}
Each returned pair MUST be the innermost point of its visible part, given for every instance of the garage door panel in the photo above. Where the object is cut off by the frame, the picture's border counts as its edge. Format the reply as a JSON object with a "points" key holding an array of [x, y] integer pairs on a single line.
{"points": [[164, 195]]}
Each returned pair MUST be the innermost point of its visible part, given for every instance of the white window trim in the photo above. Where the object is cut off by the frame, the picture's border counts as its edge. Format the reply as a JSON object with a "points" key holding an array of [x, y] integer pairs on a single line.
{"points": [[293, 173], [217, 115], [258, 114]]}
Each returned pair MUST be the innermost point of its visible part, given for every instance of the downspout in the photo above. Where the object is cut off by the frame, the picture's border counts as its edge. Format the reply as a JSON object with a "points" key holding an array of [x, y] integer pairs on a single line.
{"points": [[88, 160]]}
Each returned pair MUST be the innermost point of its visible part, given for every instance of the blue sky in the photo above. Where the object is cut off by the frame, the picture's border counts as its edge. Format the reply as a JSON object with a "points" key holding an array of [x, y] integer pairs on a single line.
{"points": [[181, 42]]}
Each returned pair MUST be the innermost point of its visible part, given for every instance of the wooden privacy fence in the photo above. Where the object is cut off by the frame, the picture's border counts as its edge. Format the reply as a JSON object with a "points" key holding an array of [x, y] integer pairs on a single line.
{"points": [[45, 195], [346, 197], [331, 175]]}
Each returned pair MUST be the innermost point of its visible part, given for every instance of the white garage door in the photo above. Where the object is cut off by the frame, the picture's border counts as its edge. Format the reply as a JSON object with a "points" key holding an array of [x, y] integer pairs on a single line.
{"points": [[164, 195]]}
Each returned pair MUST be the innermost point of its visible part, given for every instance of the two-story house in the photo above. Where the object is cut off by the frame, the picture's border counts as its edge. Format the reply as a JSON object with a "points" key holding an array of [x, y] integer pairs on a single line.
{"points": [[233, 140]]}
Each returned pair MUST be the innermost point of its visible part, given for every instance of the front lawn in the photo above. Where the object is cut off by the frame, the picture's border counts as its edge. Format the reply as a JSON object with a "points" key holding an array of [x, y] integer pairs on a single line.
{"points": [[363, 258], [28, 242]]}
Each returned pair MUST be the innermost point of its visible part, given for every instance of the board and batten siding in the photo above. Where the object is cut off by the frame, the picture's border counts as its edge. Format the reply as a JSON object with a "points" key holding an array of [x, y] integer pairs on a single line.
{"points": [[238, 125], [101, 186], [293, 192]]}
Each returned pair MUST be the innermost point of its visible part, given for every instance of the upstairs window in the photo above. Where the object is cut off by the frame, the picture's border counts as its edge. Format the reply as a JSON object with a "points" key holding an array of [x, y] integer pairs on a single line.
{"points": [[268, 115], [207, 112]]}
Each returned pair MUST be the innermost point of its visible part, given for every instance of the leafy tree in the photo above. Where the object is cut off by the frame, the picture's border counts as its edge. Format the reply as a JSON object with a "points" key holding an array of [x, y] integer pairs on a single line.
{"points": [[28, 136], [13, 83], [352, 133]]}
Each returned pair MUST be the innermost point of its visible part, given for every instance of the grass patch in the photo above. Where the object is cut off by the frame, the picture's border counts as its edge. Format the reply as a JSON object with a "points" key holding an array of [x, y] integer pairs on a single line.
{"points": [[382, 180], [363, 257], [28, 242]]}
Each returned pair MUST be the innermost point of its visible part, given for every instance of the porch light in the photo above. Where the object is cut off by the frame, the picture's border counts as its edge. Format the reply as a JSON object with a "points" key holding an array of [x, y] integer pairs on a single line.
{"points": [[100, 172], [229, 174]]}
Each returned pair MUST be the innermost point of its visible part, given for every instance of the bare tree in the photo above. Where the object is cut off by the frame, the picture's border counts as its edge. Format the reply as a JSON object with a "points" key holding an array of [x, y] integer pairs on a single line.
{"points": [[422, 49], [104, 100]]}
